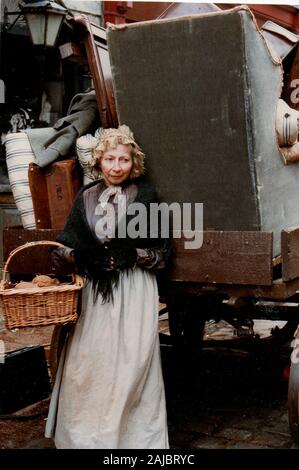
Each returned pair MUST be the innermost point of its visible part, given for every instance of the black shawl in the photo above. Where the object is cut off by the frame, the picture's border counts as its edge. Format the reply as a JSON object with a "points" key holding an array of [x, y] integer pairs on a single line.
{"points": [[91, 254]]}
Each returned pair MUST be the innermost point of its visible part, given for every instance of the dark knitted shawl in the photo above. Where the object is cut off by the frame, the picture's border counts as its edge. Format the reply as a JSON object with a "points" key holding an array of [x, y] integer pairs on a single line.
{"points": [[90, 253]]}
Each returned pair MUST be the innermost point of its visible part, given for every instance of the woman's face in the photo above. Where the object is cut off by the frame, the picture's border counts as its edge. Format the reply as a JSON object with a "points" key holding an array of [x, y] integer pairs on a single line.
{"points": [[116, 164]]}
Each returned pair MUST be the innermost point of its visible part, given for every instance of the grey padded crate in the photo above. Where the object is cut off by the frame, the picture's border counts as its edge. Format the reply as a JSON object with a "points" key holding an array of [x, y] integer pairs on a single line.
{"points": [[200, 94]]}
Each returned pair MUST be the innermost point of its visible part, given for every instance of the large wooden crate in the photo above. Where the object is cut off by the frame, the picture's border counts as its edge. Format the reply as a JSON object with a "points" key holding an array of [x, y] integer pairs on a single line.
{"points": [[237, 258]]}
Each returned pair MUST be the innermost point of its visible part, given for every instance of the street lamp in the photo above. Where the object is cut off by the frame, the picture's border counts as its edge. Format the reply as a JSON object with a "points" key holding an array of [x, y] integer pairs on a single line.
{"points": [[44, 19]]}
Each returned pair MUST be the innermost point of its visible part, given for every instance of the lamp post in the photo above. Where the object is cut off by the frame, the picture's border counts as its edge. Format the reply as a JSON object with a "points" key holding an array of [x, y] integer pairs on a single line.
{"points": [[44, 19]]}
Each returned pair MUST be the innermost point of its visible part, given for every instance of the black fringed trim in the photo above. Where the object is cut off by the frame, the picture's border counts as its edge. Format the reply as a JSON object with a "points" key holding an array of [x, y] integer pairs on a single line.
{"points": [[103, 281]]}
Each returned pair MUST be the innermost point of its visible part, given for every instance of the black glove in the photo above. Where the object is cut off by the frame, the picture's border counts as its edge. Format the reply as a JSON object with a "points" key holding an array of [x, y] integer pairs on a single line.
{"points": [[118, 256], [115, 255], [62, 257]]}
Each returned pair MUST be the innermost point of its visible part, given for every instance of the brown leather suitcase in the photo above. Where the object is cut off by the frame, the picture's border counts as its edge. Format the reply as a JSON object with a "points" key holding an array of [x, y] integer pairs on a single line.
{"points": [[39, 193], [53, 190]]}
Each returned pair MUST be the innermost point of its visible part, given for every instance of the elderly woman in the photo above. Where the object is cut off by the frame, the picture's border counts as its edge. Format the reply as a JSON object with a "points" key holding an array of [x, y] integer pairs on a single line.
{"points": [[109, 390]]}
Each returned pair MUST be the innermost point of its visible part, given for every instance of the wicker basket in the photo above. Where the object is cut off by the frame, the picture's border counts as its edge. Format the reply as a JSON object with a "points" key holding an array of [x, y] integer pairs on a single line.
{"points": [[38, 306]]}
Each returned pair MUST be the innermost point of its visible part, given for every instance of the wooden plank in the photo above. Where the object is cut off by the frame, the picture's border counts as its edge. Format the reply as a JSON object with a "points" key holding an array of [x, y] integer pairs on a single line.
{"points": [[226, 257], [279, 290], [36, 260], [290, 253]]}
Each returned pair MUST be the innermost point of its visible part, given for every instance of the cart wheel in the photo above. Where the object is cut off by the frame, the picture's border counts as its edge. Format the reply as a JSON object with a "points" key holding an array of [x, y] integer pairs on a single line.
{"points": [[293, 396], [57, 341], [186, 322], [186, 326]]}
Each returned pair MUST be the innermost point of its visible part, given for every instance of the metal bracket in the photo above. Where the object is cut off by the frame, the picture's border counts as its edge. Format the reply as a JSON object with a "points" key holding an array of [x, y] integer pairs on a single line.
{"points": [[6, 24]]}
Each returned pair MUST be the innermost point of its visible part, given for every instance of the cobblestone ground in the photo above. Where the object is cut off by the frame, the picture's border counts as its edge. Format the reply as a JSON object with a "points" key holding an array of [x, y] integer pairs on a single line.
{"points": [[227, 403], [224, 399]]}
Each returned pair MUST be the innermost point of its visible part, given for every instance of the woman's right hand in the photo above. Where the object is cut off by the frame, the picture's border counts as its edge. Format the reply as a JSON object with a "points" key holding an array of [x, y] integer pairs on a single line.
{"points": [[62, 257]]}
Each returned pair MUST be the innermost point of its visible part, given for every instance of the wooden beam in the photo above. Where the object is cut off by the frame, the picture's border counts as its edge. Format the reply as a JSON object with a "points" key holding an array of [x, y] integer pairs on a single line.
{"points": [[279, 290]]}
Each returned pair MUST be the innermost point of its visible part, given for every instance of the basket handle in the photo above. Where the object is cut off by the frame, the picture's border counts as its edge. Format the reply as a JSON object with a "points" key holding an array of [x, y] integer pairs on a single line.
{"points": [[23, 247]]}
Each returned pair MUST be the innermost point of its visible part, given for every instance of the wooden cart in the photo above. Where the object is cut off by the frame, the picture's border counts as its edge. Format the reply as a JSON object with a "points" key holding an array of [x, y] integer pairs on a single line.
{"points": [[234, 277]]}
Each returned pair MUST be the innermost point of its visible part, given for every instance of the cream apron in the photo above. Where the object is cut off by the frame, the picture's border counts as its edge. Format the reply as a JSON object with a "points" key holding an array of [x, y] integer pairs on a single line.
{"points": [[109, 390]]}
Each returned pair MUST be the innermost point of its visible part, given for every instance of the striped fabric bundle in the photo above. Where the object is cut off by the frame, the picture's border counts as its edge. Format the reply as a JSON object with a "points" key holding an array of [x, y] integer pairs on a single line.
{"points": [[18, 156]]}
